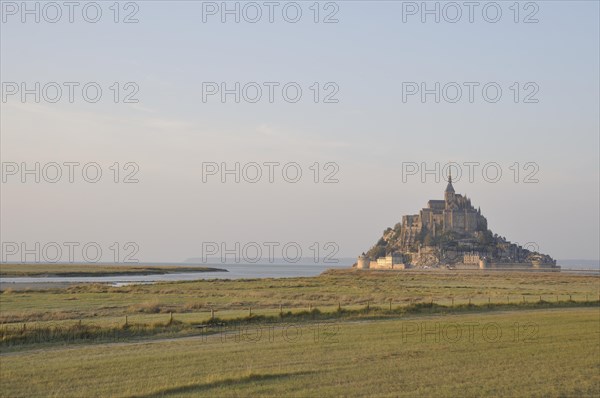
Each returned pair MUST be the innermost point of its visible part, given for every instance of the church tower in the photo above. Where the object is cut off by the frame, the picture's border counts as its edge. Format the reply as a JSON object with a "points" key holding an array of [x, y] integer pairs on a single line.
{"points": [[449, 193], [450, 205]]}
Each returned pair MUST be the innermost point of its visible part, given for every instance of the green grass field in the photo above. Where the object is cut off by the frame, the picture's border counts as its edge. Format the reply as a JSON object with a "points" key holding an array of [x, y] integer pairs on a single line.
{"points": [[343, 333], [347, 288], [554, 353]]}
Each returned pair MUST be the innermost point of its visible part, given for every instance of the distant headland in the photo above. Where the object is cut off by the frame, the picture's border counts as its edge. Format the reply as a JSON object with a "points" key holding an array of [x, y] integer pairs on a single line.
{"points": [[449, 233]]}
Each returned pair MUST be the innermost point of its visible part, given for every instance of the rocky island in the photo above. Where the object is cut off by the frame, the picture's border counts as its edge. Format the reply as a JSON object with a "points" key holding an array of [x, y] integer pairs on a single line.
{"points": [[449, 233]]}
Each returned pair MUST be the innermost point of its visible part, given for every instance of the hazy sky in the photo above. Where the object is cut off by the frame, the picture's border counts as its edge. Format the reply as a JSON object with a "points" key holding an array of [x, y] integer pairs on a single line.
{"points": [[372, 57]]}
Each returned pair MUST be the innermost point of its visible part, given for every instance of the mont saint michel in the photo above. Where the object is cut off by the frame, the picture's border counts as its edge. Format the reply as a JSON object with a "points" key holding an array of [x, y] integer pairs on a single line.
{"points": [[449, 233]]}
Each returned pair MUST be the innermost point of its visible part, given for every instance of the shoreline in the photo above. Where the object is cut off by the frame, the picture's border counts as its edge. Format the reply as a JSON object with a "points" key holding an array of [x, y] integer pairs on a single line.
{"points": [[77, 270]]}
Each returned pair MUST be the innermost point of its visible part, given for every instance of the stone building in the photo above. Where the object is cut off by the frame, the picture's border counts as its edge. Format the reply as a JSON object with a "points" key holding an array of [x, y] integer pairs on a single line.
{"points": [[454, 213], [448, 233]]}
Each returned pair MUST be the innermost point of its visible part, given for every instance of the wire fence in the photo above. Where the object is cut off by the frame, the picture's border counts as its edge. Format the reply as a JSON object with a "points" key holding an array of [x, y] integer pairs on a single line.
{"points": [[135, 325]]}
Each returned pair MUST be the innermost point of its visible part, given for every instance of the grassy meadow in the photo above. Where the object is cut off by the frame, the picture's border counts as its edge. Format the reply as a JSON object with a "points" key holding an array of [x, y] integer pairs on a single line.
{"points": [[555, 353], [345, 332], [350, 289]]}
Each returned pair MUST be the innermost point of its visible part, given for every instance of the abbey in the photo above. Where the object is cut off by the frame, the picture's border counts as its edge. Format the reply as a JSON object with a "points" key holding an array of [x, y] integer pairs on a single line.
{"points": [[454, 213], [449, 233]]}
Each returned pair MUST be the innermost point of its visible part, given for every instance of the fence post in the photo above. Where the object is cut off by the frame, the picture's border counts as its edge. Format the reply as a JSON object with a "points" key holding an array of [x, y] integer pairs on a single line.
{"points": [[125, 320], [212, 313], [339, 306], [368, 306], [469, 300], [280, 309], [249, 311], [570, 298], [489, 300], [390, 304], [453, 301], [170, 317], [523, 298]]}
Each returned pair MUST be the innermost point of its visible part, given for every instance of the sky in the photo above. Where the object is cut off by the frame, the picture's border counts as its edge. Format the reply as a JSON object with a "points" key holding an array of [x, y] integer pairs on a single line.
{"points": [[378, 118]]}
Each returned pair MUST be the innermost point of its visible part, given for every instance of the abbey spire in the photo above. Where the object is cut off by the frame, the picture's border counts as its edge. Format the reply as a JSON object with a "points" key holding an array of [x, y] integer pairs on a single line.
{"points": [[449, 192]]}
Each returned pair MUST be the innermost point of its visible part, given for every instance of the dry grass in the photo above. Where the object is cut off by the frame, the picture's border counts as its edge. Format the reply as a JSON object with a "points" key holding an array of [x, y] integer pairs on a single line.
{"points": [[353, 359], [345, 287]]}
